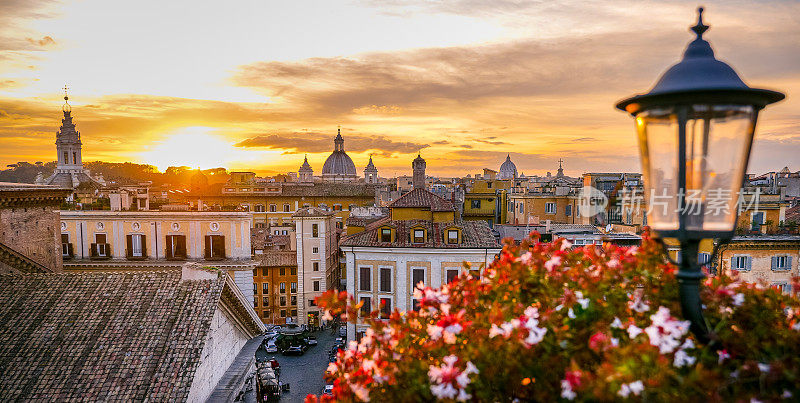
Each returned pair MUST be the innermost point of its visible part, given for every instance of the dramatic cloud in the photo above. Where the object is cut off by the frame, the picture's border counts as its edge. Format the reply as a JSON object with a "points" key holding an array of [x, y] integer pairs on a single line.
{"points": [[467, 81], [300, 142]]}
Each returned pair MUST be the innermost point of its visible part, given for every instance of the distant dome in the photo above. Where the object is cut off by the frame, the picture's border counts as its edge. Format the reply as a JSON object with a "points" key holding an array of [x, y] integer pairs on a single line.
{"points": [[338, 166], [508, 170]]}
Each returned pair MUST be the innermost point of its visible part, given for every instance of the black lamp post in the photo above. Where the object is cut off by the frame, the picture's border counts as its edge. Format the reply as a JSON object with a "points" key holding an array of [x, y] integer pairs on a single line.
{"points": [[695, 129]]}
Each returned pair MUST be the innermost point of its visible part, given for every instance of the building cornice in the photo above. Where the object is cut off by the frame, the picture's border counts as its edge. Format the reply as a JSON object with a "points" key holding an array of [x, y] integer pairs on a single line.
{"points": [[150, 214]]}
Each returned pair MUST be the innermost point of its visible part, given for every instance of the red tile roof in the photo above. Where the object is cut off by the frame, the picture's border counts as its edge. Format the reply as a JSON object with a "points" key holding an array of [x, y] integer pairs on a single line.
{"points": [[103, 336], [421, 198], [474, 234]]}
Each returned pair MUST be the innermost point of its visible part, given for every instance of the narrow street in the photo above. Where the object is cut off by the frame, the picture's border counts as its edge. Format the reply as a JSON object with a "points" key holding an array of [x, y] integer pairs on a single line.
{"points": [[305, 373]]}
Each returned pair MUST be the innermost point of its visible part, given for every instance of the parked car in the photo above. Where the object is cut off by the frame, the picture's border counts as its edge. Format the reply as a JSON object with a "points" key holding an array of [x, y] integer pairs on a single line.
{"points": [[270, 347], [327, 390], [339, 341], [311, 340], [294, 350]]}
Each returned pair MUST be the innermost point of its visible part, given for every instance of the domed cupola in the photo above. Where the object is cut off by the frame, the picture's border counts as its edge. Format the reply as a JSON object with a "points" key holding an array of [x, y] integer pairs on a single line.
{"points": [[508, 170], [339, 167]]}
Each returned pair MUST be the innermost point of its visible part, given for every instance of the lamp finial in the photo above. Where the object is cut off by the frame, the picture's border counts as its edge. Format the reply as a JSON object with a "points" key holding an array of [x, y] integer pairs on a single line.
{"points": [[700, 28]]}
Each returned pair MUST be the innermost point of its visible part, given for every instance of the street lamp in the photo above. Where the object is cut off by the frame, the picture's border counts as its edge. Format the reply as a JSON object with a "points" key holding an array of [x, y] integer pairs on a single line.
{"points": [[695, 129]]}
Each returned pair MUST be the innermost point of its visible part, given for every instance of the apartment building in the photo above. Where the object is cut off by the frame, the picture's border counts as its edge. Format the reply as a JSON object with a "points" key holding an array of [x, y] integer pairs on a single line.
{"points": [[532, 208], [156, 240], [317, 260], [275, 275], [420, 240]]}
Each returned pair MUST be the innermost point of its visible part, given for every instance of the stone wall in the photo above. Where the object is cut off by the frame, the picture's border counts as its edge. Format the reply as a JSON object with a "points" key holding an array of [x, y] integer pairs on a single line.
{"points": [[33, 231], [224, 341]]}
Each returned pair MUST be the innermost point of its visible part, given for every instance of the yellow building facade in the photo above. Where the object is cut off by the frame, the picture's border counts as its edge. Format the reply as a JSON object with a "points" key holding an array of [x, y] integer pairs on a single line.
{"points": [[535, 209]]}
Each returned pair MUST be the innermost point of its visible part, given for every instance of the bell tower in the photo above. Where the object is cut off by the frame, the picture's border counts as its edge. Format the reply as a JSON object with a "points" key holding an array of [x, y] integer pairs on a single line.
{"points": [[418, 166], [68, 142]]}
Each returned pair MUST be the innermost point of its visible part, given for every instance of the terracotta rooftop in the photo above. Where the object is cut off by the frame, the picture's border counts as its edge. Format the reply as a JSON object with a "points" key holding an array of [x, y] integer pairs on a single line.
{"points": [[421, 198], [474, 234], [312, 212], [103, 336]]}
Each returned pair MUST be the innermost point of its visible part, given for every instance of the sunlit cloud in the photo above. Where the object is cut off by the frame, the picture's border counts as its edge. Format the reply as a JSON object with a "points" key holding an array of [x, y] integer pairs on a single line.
{"points": [[465, 82]]}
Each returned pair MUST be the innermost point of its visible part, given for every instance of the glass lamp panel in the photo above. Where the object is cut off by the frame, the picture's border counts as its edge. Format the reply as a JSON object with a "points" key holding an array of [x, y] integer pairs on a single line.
{"points": [[718, 139], [658, 143]]}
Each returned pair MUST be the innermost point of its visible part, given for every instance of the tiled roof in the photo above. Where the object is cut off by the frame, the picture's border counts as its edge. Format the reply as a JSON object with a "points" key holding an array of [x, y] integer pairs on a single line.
{"points": [[421, 198], [329, 189], [766, 238], [312, 212], [103, 336], [474, 234], [793, 214], [362, 221]]}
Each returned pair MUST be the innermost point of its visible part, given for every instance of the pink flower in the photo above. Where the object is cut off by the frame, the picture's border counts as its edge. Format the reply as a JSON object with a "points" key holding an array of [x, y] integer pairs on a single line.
{"points": [[600, 341], [634, 331], [666, 332], [638, 305], [551, 264], [571, 381], [450, 382], [723, 355]]}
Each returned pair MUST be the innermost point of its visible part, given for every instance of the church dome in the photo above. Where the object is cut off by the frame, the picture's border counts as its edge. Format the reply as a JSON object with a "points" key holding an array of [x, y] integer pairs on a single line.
{"points": [[508, 170], [339, 165]]}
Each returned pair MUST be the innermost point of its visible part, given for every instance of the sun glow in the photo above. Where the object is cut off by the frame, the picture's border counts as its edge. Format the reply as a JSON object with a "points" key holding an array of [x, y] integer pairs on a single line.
{"points": [[198, 147]]}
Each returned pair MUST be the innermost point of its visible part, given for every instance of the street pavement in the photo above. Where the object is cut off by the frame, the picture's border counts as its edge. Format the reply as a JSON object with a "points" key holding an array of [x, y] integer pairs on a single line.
{"points": [[304, 373]]}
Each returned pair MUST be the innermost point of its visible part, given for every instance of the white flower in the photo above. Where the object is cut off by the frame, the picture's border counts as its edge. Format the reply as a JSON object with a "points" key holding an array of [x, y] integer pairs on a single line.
{"points": [[583, 301], [638, 305], [634, 331], [552, 263], [687, 344], [571, 314], [449, 382], [616, 324], [763, 367], [361, 392], [435, 331], [565, 245], [332, 368], [682, 359], [723, 355], [666, 332], [738, 299], [786, 394], [615, 342], [526, 257], [634, 387], [566, 390], [327, 315], [796, 326]]}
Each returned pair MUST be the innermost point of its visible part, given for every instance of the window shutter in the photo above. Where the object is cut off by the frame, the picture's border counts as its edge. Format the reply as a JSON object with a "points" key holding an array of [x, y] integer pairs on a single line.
{"points": [[93, 250], [749, 261], [733, 262], [208, 246], [129, 250], [219, 247], [773, 262], [789, 262], [180, 249], [144, 245], [168, 246]]}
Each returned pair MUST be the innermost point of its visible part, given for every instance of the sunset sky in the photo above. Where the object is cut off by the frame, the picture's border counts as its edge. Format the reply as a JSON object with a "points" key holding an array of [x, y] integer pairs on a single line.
{"points": [[255, 85]]}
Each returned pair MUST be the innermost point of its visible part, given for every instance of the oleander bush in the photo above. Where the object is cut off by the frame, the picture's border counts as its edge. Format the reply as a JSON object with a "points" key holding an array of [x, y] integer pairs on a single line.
{"points": [[549, 322]]}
